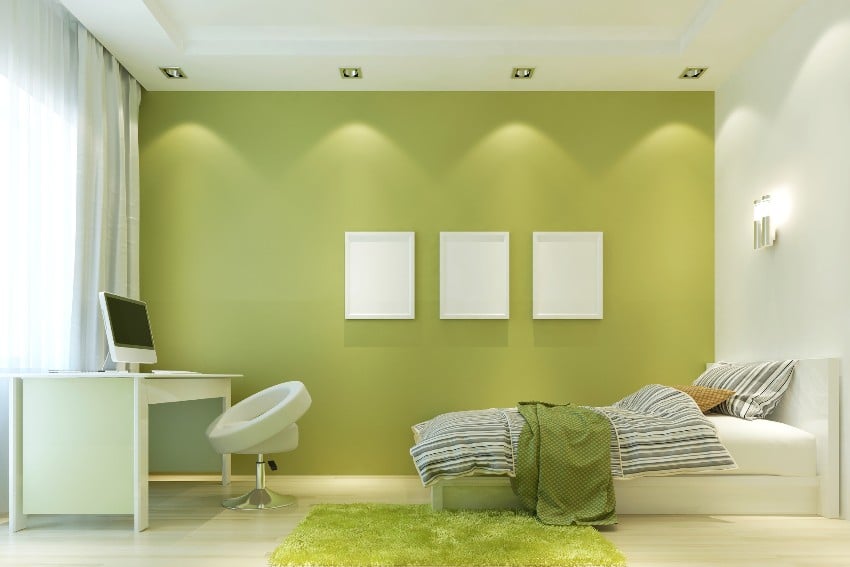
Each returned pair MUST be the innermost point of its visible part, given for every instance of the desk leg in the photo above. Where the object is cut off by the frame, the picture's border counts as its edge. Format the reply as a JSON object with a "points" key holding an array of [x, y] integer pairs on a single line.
{"points": [[17, 519], [140, 456], [225, 458]]}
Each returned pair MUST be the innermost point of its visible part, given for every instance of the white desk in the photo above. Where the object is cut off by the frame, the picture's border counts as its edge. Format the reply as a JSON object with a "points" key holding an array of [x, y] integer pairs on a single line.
{"points": [[78, 442]]}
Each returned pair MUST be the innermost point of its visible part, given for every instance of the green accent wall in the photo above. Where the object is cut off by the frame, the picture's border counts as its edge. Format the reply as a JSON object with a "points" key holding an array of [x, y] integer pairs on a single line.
{"points": [[245, 198]]}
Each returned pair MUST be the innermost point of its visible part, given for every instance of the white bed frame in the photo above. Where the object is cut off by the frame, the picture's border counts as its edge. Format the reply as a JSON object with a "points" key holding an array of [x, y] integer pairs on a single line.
{"points": [[810, 404]]}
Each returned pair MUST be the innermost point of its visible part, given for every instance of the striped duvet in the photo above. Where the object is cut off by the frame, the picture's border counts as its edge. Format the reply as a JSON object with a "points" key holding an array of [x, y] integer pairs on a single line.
{"points": [[657, 430]]}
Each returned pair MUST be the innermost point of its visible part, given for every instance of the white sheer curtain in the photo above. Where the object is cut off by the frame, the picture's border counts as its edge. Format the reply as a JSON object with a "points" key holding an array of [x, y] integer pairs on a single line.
{"points": [[38, 153], [68, 173], [107, 241]]}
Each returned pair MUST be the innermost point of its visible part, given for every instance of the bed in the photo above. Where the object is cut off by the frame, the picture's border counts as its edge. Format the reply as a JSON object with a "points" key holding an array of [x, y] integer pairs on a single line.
{"points": [[787, 464]]}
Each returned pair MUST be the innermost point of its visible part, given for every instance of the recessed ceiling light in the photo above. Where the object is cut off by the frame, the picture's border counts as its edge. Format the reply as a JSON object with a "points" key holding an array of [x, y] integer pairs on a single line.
{"points": [[522, 72], [693, 72], [173, 72], [351, 72]]}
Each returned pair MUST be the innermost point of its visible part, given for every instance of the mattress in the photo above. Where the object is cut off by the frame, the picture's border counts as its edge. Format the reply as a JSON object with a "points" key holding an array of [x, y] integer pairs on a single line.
{"points": [[766, 447]]}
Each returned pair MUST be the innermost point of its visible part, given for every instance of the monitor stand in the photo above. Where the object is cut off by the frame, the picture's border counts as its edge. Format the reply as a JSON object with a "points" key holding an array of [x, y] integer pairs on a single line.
{"points": [[110, 365]]}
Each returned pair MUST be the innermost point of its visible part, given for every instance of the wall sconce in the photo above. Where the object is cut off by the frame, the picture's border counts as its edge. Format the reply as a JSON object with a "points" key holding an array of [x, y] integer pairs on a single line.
{"points": [[764, 232]]}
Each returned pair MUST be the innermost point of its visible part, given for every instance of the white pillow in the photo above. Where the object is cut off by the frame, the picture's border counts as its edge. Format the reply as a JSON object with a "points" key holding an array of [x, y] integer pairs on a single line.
{"points": [[758, 386]]}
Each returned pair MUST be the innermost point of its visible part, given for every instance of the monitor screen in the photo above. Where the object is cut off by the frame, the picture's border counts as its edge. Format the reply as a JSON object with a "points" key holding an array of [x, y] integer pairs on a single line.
{"points": [[128, 329]]}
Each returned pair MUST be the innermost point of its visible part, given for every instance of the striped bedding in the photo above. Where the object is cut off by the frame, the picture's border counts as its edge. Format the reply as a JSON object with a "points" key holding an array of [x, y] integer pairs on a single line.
{"points": [[657, 430]]}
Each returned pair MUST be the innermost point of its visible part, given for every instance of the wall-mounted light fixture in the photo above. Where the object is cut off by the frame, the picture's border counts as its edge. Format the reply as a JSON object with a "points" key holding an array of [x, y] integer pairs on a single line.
{"points": [[764, 231]]}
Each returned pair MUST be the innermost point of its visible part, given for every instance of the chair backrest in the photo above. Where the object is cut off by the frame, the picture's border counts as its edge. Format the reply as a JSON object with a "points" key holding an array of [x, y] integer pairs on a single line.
{"points": [[287, 400]]}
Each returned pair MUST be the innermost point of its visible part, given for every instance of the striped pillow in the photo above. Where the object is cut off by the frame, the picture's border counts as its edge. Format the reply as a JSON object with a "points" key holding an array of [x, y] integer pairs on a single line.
{"points": [[758, 386]]}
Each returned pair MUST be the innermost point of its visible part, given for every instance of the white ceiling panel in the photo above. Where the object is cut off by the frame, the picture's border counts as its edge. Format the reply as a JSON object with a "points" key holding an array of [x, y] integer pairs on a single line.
{"points": [[433, 45]]}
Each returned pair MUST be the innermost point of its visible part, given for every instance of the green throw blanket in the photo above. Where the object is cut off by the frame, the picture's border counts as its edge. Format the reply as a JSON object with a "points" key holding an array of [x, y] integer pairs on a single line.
{"points": [[563, 465]]}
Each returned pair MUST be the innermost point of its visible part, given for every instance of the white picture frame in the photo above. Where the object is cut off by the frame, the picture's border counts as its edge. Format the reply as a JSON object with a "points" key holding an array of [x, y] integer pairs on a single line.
{"points": [[379, 275], [567, 273], [474, 281]]}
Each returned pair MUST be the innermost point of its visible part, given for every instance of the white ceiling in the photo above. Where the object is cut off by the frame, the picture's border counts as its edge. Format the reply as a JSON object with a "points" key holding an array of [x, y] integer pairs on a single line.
{"points": [[432, 44]]}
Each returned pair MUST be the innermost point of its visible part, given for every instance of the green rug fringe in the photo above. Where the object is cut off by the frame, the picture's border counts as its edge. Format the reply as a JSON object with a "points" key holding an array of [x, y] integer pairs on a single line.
{"points": [[391, 535]]}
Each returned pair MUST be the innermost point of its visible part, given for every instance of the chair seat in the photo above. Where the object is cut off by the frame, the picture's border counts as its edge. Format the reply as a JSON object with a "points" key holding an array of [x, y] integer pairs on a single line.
{"points": [[282, 442], [263, 422]]}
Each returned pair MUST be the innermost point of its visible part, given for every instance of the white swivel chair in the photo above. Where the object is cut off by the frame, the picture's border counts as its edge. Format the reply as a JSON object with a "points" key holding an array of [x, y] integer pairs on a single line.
{"points": [[261, 424]]}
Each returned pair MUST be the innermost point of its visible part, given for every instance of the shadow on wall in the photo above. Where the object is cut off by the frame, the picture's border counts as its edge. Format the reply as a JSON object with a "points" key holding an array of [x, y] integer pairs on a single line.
{"points": [[451, 333]]}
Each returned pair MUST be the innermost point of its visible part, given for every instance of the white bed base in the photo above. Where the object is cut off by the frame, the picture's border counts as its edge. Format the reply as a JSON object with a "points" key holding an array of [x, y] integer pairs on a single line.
{"points": [[810, 404]]}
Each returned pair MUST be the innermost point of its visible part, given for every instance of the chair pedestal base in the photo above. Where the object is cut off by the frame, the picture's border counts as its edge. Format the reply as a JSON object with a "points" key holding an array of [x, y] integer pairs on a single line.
{"points": [[259, 499]]}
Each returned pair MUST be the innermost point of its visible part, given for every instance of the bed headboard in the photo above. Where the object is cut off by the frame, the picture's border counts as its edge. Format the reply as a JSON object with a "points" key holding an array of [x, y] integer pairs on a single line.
{"points": [[811, 403]]}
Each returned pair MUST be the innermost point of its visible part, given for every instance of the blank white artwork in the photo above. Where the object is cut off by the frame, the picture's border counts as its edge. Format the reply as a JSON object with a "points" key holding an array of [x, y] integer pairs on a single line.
{"points": [[474, 275], [379, 275], [567, 275]]}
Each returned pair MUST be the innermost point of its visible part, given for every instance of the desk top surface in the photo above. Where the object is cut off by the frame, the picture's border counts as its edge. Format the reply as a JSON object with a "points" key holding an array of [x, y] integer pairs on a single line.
{"points": [[117, 375]]}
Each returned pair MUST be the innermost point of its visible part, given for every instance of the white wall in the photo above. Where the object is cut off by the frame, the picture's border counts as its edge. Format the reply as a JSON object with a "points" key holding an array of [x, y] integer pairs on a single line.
{"points": [[4, 446], [783, 127]]}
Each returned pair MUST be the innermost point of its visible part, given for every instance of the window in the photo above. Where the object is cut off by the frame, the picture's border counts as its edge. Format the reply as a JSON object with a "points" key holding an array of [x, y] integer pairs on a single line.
{"points": [[37, 230]]}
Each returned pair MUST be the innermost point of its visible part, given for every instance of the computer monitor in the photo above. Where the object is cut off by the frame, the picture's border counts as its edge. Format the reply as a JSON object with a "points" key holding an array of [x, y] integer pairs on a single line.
{"points": [[128, 329]]}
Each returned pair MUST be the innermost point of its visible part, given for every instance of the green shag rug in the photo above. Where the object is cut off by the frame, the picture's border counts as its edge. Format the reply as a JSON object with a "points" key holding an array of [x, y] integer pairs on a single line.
{"points": [[380, 535]]}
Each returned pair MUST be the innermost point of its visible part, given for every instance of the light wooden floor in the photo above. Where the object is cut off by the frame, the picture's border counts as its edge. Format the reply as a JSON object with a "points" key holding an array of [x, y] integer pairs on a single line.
{"points": [[190, 529]]}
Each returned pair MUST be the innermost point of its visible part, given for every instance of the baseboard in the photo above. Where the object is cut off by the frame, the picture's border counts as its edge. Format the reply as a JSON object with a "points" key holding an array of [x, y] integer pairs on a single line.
{"points": [[323, 482], [726, 495], [181, 477]]}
